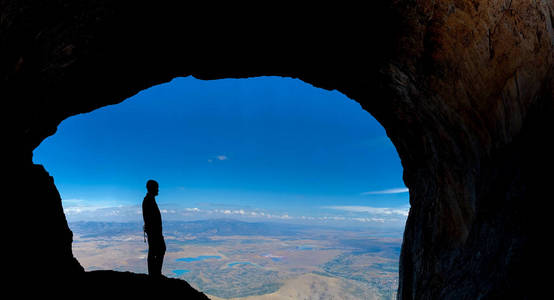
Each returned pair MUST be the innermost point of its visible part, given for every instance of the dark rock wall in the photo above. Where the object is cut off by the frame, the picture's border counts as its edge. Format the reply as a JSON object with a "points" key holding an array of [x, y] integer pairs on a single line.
{"points": [[463, 88]]}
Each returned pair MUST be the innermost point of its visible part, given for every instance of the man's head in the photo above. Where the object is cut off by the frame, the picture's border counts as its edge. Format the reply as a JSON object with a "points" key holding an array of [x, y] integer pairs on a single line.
{"points": [[152, 187]]}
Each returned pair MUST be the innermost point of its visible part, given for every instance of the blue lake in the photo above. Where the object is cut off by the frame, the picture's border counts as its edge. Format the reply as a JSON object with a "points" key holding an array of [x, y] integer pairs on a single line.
{"points": [[198, 258], [305, 247], [180, 272]]}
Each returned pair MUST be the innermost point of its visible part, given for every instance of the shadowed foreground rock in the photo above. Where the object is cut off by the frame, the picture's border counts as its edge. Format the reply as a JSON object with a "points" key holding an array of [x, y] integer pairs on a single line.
{"points": [[127, 285]]}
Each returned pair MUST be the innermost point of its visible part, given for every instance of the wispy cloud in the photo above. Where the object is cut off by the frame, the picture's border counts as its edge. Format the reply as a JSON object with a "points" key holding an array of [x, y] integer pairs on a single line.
{"points": [[82, 210], [73, 201], [102, 213], [72, 206], [389, 191], [218, 157], [371, 210]]}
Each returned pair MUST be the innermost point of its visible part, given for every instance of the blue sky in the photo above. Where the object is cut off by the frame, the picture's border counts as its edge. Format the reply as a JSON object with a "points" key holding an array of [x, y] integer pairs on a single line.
{"points": [[259, 148]]}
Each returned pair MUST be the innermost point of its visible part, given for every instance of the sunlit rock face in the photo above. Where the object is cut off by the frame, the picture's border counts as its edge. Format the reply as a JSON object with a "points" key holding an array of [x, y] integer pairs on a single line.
{"points": [[463, 88]]}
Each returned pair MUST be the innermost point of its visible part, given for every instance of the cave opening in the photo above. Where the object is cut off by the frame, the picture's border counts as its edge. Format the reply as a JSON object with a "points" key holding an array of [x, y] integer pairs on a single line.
{"points": [[266, 177]]}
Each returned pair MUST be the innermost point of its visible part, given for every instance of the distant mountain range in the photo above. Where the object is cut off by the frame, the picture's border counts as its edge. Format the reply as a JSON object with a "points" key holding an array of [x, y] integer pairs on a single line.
{"points": [[221, 227]]}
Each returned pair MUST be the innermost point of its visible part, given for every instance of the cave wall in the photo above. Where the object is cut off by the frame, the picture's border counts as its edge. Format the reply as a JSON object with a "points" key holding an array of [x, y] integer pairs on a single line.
{"points": [[462, 87]]}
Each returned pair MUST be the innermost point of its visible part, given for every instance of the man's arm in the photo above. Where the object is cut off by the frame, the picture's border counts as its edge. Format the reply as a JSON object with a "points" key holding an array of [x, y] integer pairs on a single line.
{"points": [[147, 215]]}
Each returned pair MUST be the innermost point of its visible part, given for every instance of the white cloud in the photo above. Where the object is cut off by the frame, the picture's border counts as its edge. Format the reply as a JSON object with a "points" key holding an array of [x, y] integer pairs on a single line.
{"points": [[218, 157], [377, 220], [79, 206], [98, 212], [371, 210], [389, 191], [73, 201], [76, 210]]}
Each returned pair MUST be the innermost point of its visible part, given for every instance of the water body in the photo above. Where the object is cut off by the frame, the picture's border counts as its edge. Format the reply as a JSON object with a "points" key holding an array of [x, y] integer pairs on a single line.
{"points": [[305, 247], [198, 258], [180, 272], [273, 257]]}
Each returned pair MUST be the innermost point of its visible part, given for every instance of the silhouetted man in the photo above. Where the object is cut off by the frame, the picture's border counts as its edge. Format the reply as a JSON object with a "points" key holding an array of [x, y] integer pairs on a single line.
{"points": [[153, 230]]}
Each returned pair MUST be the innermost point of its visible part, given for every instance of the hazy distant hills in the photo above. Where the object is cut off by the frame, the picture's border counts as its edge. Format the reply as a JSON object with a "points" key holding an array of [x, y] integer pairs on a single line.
{"points": [[104, 229], [221, 227], [224, 227]]}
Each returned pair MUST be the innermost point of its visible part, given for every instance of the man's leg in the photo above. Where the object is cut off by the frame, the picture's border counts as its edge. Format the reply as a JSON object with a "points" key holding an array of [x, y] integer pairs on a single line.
{"points": [[156, 252], [153, 253], [151, 261], [160, 256]]}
